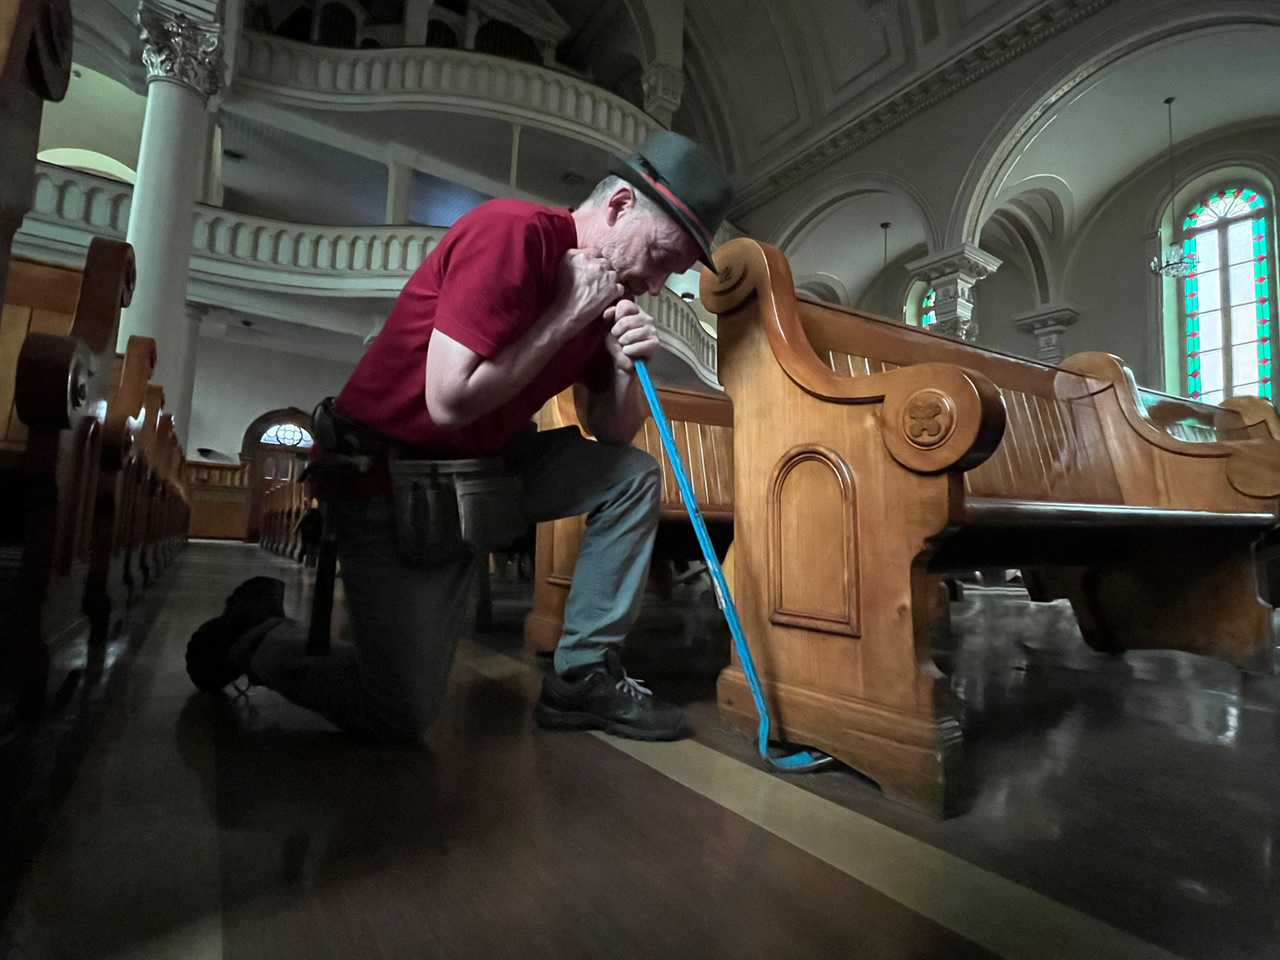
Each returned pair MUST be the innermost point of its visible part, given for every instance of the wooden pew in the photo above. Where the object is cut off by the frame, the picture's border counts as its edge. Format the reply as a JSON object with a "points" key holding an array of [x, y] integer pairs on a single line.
{"points": [[35, 66], [57, 348], [219, 500], [106, 590], [872, 458], [703, 428], [283, 504], [171, 513]]}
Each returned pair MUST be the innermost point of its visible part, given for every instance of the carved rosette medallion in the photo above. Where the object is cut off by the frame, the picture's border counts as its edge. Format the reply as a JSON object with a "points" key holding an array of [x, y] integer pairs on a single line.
{"points": [[178, 49], [928, 419]]}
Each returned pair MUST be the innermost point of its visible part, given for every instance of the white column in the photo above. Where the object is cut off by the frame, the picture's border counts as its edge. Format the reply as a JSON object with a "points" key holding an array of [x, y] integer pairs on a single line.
{"points": [[417, 14], [184, 68], [180, 404], [952, 275], [399, 180]]}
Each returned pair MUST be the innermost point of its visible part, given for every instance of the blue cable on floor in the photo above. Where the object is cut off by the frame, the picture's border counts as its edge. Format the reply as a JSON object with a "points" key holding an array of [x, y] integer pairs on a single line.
{"points": [[803, 761]]}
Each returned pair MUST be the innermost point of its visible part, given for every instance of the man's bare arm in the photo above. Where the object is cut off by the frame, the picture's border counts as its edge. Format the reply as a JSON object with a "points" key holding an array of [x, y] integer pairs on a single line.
{"points": [[462, 386]]}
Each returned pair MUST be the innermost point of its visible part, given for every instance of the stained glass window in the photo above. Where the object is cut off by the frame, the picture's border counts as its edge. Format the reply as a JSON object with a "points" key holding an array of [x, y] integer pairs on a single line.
{"points": [[1226, 303], [287, 435], [928, 316]]}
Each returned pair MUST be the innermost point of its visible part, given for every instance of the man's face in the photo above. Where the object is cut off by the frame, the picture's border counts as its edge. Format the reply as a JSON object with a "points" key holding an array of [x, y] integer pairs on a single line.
{"points": [[647, 248]]}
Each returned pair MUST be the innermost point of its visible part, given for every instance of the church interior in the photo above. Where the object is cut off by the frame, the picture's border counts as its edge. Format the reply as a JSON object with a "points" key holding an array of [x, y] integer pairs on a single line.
{"points": [[977, 407]]}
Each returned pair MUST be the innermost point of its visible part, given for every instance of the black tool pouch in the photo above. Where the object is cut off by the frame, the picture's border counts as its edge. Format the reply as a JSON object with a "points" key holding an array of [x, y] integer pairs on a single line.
{"points": [[450, 509]]}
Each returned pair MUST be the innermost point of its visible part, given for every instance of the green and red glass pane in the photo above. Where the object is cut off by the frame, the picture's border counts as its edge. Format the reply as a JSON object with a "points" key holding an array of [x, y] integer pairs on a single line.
{"points": [[928, 317], [1223, 205], [1231, 298]]}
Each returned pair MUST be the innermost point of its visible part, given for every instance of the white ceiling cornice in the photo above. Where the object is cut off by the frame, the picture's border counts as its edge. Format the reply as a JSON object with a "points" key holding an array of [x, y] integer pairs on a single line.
{"points": [[825, 145]]}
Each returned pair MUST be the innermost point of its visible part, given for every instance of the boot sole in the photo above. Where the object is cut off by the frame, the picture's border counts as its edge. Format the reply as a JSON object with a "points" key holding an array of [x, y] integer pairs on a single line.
{"points": [[550, 718]]}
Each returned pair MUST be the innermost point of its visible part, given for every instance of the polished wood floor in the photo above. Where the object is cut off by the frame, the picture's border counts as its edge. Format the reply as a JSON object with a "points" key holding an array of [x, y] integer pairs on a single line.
{"points": [[1121, 808]]}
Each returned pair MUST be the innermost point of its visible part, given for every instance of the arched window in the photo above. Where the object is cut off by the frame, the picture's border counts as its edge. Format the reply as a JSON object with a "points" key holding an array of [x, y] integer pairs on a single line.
{"points": [[1225, 307], [287, 435], [918, 310]]}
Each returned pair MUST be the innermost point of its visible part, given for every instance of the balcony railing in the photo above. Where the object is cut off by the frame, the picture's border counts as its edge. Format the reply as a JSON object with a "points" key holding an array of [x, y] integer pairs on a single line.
{"points": [[442, 79]]}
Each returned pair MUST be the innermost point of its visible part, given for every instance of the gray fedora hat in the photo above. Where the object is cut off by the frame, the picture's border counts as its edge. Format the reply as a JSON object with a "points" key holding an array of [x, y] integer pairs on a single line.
{"points": [[681, 178]]}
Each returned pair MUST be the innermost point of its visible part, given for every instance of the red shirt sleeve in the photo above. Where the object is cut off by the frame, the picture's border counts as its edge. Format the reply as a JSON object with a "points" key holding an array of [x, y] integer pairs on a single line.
{"points": [[494, 283]]}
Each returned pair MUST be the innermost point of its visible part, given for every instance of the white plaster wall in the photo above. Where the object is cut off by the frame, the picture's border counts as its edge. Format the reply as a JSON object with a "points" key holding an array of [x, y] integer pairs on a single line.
{"points": [[996, 301], [236, 384]]}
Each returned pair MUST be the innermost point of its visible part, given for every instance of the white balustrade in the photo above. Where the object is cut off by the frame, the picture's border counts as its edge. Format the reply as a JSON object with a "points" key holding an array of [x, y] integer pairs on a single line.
{"points": [[444, 79], [256, 253]]}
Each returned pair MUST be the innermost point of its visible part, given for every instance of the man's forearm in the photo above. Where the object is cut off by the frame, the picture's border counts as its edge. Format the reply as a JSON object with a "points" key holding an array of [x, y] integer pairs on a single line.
{"points": [[471, 386]]}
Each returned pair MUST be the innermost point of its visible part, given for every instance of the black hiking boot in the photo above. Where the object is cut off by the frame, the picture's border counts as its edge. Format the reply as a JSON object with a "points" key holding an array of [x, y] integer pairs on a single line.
{"points": [[208, 651], [607, 699]]}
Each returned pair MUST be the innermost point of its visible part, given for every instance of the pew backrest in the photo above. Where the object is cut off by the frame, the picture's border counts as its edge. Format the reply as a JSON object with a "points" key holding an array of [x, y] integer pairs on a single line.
{"points": [[702, 426]]}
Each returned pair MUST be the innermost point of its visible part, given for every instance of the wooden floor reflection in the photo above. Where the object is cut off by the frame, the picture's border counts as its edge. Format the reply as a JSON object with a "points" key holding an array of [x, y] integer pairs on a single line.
{"points": [[1132, 799]]}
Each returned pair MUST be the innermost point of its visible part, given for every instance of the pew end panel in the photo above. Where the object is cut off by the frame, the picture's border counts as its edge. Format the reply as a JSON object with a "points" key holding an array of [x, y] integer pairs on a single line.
{"points": [[872, 459]]}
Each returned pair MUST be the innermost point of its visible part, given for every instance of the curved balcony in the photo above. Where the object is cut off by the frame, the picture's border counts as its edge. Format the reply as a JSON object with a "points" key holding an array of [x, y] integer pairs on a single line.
{"points": [[458, 81], [237, 252]]}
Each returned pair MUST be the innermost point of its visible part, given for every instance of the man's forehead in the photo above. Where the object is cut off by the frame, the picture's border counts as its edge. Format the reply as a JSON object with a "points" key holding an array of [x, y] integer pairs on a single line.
{"points": [[678, 239]]}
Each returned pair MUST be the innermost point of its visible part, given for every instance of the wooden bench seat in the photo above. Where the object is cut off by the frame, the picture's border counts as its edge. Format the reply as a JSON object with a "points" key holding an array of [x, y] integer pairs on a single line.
{"points": [[702, 425], [872, 458]]}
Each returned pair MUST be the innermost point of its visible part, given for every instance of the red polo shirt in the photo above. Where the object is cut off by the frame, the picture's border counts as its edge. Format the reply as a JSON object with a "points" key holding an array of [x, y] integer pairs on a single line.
{"points": [[485, 284]]}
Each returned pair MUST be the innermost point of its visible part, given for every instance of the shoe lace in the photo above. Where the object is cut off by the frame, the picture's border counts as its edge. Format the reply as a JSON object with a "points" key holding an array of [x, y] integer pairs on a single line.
{"points": [[633, 688]]}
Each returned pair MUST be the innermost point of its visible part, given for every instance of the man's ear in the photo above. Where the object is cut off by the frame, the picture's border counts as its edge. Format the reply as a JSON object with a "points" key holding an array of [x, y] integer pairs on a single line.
{"points": [[622, 199]]}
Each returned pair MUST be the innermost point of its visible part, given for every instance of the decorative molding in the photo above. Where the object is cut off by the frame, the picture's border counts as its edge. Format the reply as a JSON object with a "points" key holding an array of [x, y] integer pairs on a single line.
{"points": [[953, 275], [177, 49], [681, 333], [1015, 39], [928, 419], [239, 252], [663, 87], [459, 81], [1047, 325], [836, 472]]}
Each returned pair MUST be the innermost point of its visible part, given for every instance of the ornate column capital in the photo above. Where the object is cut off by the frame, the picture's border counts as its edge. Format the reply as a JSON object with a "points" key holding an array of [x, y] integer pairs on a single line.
{"points": [[177, 49], [967, 259], [663, 88], [1047, 325], [953, 274]]}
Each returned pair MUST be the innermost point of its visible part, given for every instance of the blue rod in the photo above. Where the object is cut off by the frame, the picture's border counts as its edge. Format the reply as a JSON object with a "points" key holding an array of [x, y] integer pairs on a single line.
{"points": [[803, 761]]}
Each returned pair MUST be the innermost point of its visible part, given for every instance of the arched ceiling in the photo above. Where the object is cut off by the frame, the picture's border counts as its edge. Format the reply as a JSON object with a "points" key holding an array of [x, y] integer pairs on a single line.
{"points": [[824, 248], [1116, 122]]}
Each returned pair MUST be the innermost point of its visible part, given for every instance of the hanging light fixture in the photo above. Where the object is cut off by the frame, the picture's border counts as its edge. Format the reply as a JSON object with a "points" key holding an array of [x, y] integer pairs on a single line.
{"points": [[885, 227], [1177, 262]]}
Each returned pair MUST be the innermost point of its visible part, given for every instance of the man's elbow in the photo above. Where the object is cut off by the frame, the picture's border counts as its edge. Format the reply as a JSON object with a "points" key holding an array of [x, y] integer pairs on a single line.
{"points": [[450, 413]]}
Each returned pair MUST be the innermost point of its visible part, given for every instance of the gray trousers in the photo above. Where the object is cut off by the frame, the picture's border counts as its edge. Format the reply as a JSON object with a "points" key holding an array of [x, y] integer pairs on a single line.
{"points": [[406, 621]]}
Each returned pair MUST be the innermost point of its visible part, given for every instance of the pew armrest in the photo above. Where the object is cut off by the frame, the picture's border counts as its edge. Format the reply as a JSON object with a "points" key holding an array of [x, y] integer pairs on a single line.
{"points": [[937, 416], [1252, 465]]}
